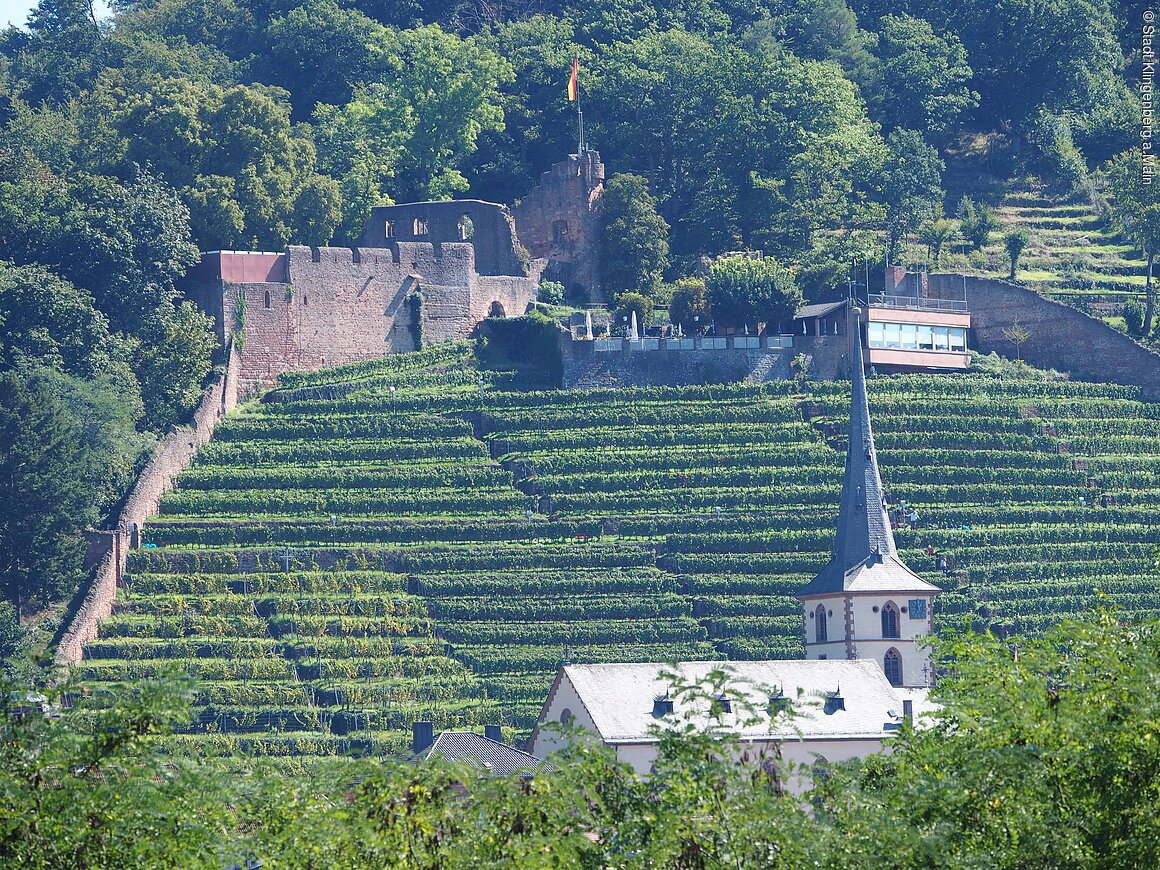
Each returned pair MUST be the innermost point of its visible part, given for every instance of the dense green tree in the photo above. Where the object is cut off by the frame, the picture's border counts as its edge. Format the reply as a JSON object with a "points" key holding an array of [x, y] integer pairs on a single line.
{"points": [[550, 293], [1027, 55], [65, 445], [1136, 209], [232, 27], [60, 52], [936, 235], [12, 635], [127, 244], [99, 796], [1046, 741], [403, 135], [629, 304], [1052, 136], [49, 322], [911, 187], [636, 247], [747, 290], [923, 76], [1014, 242], [743, 146], [246, 175], [977, 221], [820, 30], [318, 53], [690, 305], [539, 123]]}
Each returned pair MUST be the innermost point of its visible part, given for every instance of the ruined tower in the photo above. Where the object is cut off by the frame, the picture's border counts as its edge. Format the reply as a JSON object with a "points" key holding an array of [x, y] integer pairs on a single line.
{"points": [[559, 221]]}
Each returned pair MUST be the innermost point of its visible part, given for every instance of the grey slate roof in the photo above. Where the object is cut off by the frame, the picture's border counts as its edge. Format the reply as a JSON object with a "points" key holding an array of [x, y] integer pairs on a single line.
{"points": [[619, 699], [467, 747], [818, 309], [864, 557]]}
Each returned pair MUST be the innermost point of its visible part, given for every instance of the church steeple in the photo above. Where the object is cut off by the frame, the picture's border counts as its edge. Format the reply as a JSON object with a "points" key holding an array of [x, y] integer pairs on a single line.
{"points": [[863, 523], [864, 538], [880, 605]]}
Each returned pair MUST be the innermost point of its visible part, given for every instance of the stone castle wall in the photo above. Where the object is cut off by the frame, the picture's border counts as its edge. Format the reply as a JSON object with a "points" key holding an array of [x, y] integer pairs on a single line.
{"points": [[1060, 337], [343, 305], [173, 455]]}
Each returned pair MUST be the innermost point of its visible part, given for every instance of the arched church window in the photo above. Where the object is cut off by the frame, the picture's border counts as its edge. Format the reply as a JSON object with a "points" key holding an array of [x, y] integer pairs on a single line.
{"points": [[890, 620], [267, 299], [892, 667], [820, 624]]}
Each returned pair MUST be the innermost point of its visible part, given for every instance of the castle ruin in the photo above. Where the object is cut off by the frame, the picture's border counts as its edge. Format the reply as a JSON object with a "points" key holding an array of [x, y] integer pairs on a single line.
{"points": [[425, 272]]}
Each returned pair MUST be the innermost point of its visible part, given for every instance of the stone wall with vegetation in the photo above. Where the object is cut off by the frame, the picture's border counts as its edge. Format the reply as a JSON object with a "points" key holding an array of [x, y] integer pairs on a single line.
{"points": [[173, 455], [1058, 336]]}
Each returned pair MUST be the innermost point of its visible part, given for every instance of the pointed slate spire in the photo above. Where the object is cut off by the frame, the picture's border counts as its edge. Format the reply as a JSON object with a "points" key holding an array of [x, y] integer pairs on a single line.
{"points": [[864, 539], [863, 523]]}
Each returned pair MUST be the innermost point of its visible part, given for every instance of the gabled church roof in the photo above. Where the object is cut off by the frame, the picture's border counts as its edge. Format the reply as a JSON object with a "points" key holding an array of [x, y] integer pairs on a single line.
{"points": [[864, 557]]}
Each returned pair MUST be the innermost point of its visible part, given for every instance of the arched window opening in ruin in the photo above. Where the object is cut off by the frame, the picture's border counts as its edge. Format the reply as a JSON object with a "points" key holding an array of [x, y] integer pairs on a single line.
{"points": [[496, 310], [420, 227], [389, 229], [890, 620], [820, 624], [559, 231], [305, 300], [892, 667], [466, 227], [267, 299]]}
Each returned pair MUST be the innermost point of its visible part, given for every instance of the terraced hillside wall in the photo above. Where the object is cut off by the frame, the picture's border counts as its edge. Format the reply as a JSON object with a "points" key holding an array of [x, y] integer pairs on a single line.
{"points": [[173, 454], [1061, 337]]}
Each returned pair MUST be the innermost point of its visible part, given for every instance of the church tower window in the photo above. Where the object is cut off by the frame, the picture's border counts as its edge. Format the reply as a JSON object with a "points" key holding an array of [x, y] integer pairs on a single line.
{"points": [[890, 620], [892, 667], [820, 624]]}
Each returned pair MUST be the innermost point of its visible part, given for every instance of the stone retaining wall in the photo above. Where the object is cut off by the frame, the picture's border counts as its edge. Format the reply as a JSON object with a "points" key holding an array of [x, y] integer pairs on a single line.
{"points": [[172, 456], [1060, 337], [630, 364]]}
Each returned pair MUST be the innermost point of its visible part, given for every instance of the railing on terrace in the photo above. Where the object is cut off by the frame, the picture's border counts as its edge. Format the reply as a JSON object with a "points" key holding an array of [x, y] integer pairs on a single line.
{"points": [[915, 302], [705, 342]]}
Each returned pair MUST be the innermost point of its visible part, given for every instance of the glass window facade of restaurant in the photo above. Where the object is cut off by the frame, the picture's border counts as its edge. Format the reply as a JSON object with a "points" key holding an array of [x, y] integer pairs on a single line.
{"points": [[916, 336]]}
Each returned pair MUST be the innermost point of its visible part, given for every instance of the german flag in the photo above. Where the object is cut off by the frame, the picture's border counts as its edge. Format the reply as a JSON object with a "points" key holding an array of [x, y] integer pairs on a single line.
{"points": [[573, 80]]}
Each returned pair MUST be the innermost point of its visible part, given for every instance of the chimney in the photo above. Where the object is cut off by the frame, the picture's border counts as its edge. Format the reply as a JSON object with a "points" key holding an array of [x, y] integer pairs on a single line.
{"points": [[493, 732], [422, 736], [908, 710]]}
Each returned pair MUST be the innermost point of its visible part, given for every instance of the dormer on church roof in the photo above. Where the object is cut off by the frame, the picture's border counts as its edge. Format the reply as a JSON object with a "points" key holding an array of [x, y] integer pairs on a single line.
{"points": [[864, 557]]}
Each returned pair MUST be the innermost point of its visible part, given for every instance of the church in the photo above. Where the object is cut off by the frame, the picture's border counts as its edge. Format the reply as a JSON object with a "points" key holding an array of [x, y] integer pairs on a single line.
{"points": [[866, 669]]}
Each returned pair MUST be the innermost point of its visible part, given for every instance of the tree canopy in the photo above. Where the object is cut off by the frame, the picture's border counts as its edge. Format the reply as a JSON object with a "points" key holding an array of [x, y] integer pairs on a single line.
{"points": [[1043, 752]]}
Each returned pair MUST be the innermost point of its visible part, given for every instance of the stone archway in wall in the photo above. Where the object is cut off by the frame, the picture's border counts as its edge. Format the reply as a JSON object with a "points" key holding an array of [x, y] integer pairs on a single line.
{"points": [[496, 310]]}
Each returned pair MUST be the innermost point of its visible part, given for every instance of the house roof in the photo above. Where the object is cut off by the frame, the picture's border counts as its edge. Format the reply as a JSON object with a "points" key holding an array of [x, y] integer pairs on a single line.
{"points": [[620, 699], [467, 747], [863, 557], [818, 309]]}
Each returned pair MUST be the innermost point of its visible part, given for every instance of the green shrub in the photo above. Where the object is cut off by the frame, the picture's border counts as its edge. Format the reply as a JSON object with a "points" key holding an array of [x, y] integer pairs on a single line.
{"points": [[550, 293], [1134, 318]]}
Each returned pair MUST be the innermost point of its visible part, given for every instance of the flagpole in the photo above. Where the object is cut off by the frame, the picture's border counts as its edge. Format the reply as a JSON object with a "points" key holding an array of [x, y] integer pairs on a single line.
{"points": [[580, 119], [574, 93]]}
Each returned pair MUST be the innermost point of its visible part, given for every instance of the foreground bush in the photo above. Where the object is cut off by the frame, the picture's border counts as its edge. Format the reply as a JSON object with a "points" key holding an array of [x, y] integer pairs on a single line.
{"points": [[1045, 755]]}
